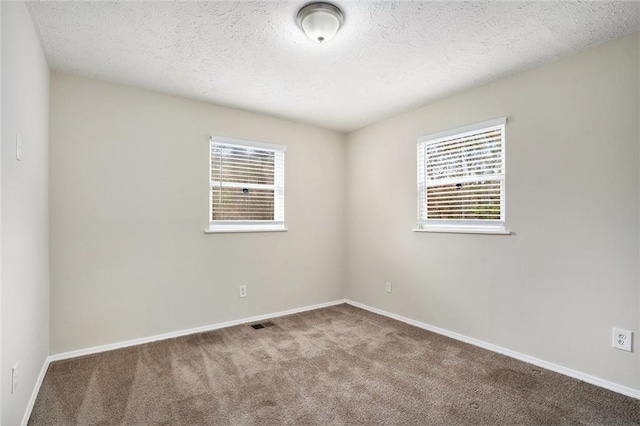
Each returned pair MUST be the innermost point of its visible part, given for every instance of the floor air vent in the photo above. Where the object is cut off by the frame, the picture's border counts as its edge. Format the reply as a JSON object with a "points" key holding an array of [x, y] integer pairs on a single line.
{"points": [[262, 325]]}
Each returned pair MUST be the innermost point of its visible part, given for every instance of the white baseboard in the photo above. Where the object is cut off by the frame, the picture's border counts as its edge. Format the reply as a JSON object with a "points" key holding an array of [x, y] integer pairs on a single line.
{"points": [[112, 346], [624, 390], [36, 390], [142, 340]]}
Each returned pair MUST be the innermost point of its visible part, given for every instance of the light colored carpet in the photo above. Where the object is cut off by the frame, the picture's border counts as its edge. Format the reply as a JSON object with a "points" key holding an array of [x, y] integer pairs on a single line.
{"points": [[338, 365]]}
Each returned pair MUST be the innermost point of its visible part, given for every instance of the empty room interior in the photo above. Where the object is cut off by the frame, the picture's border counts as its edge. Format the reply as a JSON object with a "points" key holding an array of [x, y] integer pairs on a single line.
{"points": [[351, 212]]}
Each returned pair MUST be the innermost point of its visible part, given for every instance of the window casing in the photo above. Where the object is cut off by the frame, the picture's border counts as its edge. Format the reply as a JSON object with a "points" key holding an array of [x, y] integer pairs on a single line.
{"points": [[246, 191], [461, 179]]}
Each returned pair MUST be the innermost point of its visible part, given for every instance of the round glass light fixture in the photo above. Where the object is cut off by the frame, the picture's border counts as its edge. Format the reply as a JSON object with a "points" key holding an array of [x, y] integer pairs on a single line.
{"points": [[320, 21]]}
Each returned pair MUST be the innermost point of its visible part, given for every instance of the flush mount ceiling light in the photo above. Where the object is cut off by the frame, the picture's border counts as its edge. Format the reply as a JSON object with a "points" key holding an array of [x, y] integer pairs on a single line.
{"points": [[320, 21]]}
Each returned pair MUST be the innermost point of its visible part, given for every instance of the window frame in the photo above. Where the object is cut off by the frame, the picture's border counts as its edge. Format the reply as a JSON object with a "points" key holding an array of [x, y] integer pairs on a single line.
{"points": [[275, 225], [472, 226]]}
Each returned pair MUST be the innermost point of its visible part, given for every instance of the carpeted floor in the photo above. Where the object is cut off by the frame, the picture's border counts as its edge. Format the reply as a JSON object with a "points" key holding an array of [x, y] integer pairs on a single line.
{"points": [[338, 365]]}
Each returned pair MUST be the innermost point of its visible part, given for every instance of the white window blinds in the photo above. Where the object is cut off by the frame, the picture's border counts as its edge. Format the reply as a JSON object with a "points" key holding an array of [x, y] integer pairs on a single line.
{"points": [[461, 176], [247, 185]]}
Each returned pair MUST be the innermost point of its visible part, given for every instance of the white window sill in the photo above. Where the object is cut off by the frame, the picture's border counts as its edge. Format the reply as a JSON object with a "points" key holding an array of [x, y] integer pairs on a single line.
{"points": [[463, 230], [232, 230]]}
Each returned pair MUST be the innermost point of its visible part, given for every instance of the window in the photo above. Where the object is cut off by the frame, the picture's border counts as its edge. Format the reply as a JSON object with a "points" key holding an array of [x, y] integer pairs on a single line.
{"points": [[461, 178], [247, 186]]}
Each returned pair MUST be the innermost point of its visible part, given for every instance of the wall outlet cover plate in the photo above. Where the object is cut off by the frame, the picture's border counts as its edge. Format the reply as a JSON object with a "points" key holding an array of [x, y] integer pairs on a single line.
{"points": [[622, 339]]}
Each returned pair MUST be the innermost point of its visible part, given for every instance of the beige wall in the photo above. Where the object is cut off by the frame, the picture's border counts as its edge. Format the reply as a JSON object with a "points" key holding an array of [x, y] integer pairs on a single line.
{"points": [[25, 232], [129, 200], [569, 273]]}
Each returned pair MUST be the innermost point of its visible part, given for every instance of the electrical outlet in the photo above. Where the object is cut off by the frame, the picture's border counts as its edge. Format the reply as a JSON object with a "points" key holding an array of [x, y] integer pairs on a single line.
{"points": [[243, 291], [14, 378], [388, 287], [622, 339]]}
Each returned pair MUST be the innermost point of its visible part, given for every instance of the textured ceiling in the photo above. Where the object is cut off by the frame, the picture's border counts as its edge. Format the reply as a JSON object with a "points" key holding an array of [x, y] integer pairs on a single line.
{"points": [[389, 57]]}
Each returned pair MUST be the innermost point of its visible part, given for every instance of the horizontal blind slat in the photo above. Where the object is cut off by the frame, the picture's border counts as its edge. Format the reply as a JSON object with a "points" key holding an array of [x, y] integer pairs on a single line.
{"points": [[472, 157], [448, 149], [464, 180], [452, 150], [461, 139]]}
